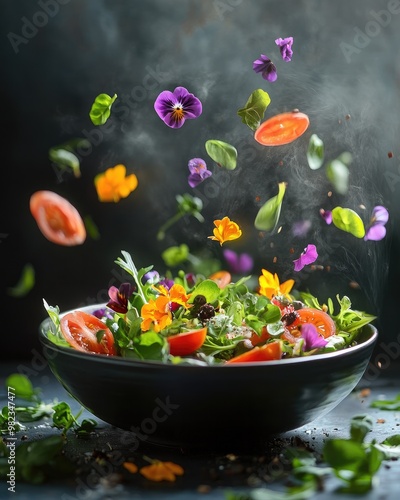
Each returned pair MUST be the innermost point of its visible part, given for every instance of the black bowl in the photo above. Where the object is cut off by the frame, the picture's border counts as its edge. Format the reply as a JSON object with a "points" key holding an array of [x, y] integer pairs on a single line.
{"points": [[197, 407]]}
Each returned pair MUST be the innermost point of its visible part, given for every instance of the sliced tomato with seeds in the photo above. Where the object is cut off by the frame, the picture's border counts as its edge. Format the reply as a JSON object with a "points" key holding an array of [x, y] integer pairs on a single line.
{"points": [[185, 343], [320, 319], [58, 220], [256, 339], [87, 333], [267, 352]]}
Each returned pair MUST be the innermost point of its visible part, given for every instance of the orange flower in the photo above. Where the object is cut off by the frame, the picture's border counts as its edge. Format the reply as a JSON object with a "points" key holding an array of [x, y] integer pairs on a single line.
{"points": [[131, 467], [112, 185], [270, 285], [225, 230], [158, 471], [158, 311]]}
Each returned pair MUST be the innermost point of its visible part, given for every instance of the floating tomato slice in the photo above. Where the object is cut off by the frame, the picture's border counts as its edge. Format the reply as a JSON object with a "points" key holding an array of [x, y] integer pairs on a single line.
{"points": [[58, 220], [267, 352], [320, 319], [221, 278], [81, 331], [183, 344], [282, 129]]}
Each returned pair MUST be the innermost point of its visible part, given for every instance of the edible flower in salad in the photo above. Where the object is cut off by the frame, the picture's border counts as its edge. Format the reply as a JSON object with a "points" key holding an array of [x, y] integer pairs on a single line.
{"points": [[225, 230], [206, 321]]}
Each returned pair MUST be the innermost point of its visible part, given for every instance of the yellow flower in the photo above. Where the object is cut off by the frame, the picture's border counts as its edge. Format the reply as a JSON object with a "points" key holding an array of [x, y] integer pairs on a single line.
{"points": [[131, 467], [270, 285], [112, 185], [159, 471], [158, 312], [225, 230]]}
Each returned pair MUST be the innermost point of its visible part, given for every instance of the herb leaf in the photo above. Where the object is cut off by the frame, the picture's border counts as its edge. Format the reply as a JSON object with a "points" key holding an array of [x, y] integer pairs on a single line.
{"points": [[101, 108]]}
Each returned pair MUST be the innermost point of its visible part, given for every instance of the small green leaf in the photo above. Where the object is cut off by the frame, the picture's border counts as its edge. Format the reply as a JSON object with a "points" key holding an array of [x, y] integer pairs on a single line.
{"points": [[360, 426], [387, 404], [315, 152], [338, 173], [65, 158], [173, 256], [268, 215], [349, 221], [21, 386], [25, 283], [254, 109], [91, 227], [344, 454], [208, 288], [222, 153], [101, 108]]}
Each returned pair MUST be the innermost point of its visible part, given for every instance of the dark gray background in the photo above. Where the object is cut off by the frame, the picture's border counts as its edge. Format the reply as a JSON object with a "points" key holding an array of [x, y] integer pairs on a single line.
{"points": [[88, 47]]}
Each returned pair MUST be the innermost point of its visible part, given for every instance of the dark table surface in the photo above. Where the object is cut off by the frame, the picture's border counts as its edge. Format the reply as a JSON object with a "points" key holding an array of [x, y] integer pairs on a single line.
{"points": [[208, 475]]}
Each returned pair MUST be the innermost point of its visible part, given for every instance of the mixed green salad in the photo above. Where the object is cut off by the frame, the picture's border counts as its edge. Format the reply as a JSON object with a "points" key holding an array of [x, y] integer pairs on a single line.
{"points": [[207, 320]]}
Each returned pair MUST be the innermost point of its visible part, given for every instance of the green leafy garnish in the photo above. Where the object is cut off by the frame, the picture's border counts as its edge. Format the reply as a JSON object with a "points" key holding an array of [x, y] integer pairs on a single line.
{"points": [[268, 215], [25, 283], [101, 108], [253, 111], [224, 154], [338, 173], [387, 404], [348, 220], [315, 152], [187, 205]]}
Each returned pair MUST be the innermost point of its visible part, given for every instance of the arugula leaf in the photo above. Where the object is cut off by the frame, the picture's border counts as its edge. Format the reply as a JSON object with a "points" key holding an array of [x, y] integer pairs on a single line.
{"points": [[25, 283], [253, 111]]}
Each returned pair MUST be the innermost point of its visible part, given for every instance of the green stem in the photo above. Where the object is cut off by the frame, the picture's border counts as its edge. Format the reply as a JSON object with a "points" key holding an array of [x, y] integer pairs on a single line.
{"points": [[168, 224]]}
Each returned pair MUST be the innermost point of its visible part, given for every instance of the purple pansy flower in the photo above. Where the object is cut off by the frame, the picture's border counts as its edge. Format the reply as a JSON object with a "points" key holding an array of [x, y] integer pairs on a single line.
{"points": [[167, 283], [102, 313], [266, 67], [285, 46], [312, 339], [326, 215], [308, 256], [238, 263], [177, 106], [198, 171], [376, 230], [119, 297], [151, 277]]}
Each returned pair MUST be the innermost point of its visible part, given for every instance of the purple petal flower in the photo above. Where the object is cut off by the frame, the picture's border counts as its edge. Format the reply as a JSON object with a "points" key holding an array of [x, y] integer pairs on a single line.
{"points": [[238, 263], [151, 277], [198, 172], [312, 339], [326, 215], [102, 313], [308, 256], [266, 67], [177, 106], [285, 46], [167, 283], [119, 297], [376, 230]]}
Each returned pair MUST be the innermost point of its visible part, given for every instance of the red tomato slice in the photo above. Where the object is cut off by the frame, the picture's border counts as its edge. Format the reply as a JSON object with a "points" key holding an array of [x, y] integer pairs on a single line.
{"points": [[186, 343], [267, 352], [58, 220], [79, 330], [256, 339], [221, 278], [282, 129], [320, 319]]}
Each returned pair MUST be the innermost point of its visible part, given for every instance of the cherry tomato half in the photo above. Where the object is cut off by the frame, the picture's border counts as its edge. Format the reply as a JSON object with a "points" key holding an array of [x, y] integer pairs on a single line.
{"points": [[267, 352], [183, 344], [320, 319], [282, 129], [81, 331], [221, 278], [58, 220]]}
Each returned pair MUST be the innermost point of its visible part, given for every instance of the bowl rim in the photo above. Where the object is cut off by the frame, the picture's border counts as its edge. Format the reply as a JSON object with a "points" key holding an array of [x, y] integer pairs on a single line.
{"points": [[119, 360]]}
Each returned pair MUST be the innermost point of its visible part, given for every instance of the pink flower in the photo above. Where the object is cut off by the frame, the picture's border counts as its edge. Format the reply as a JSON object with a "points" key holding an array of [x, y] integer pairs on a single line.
{"points": [[308, 256]]}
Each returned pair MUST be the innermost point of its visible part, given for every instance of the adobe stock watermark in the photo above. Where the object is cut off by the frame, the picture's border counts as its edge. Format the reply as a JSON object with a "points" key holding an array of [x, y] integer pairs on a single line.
{"points": [[222, 7], [363, 37], [389, 351], [30, 27], [162, 410]]}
